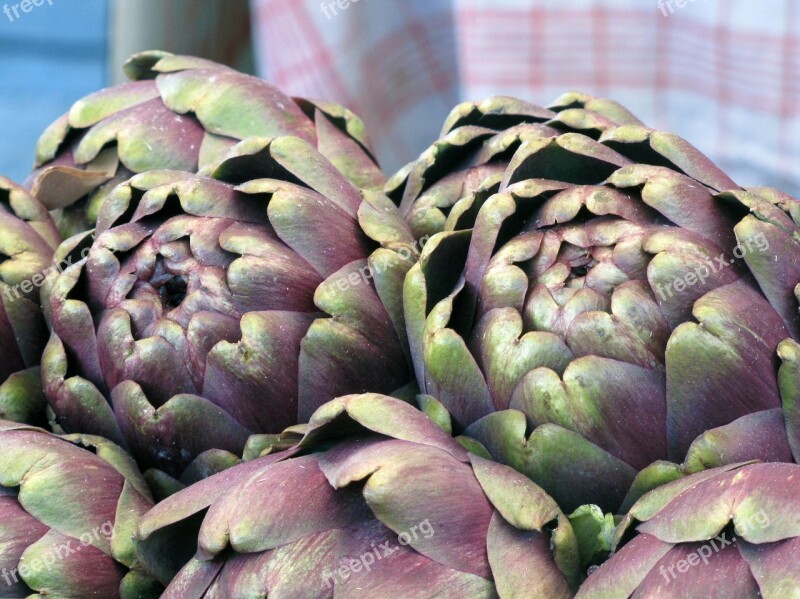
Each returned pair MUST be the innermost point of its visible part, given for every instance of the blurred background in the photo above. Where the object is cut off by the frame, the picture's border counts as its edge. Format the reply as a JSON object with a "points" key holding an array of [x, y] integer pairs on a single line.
{"points": [[724, 74]]}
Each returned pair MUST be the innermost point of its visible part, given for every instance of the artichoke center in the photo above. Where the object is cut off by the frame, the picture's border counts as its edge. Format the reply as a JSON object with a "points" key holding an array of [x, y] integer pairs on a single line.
{"points": [[172, 291], [579, 267]]}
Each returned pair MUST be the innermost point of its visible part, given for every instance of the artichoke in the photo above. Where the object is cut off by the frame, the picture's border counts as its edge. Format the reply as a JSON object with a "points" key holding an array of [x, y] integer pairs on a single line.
{"points": [[597, 295], [28, 238], [732, 532], [179, 113], [375, 501], [68, 509], [210, 307]]}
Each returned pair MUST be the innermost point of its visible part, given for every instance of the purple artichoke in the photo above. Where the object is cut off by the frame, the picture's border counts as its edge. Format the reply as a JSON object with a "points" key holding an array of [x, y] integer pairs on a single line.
{"points": [[375, 501], [208, 308], [68, 509], [179, 113], [598, 295], [27, 240], [733, 532]]}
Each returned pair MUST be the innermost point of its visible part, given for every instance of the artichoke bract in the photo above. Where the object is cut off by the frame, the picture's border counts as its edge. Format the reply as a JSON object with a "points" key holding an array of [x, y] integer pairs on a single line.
{"points": [[375, 501], [28, 238], [68, 509], [179, 113], [597, 295], [210, 307], [732, 532]]}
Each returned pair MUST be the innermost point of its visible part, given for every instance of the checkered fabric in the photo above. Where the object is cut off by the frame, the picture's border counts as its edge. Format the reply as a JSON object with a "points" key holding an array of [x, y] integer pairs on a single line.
{"points": [[725, 74]]}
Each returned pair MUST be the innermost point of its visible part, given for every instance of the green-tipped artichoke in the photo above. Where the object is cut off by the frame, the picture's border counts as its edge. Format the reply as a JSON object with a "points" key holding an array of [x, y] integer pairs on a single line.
{"points": [[68, 509], [727, 533], [179, 113], [27, 240], [598, 296], [375, 501], [210, 307]]}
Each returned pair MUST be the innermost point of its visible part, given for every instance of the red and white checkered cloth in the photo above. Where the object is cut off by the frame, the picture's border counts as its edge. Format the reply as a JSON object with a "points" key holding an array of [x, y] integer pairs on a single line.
{"points": [[724, 74]]}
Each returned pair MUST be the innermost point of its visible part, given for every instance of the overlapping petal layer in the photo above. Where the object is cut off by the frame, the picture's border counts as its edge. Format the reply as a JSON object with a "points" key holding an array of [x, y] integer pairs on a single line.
{"points": [[376, 500], [28, 238], [210, 307], [731, 531], [597, 295], [68, 509], [179, 113]]}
